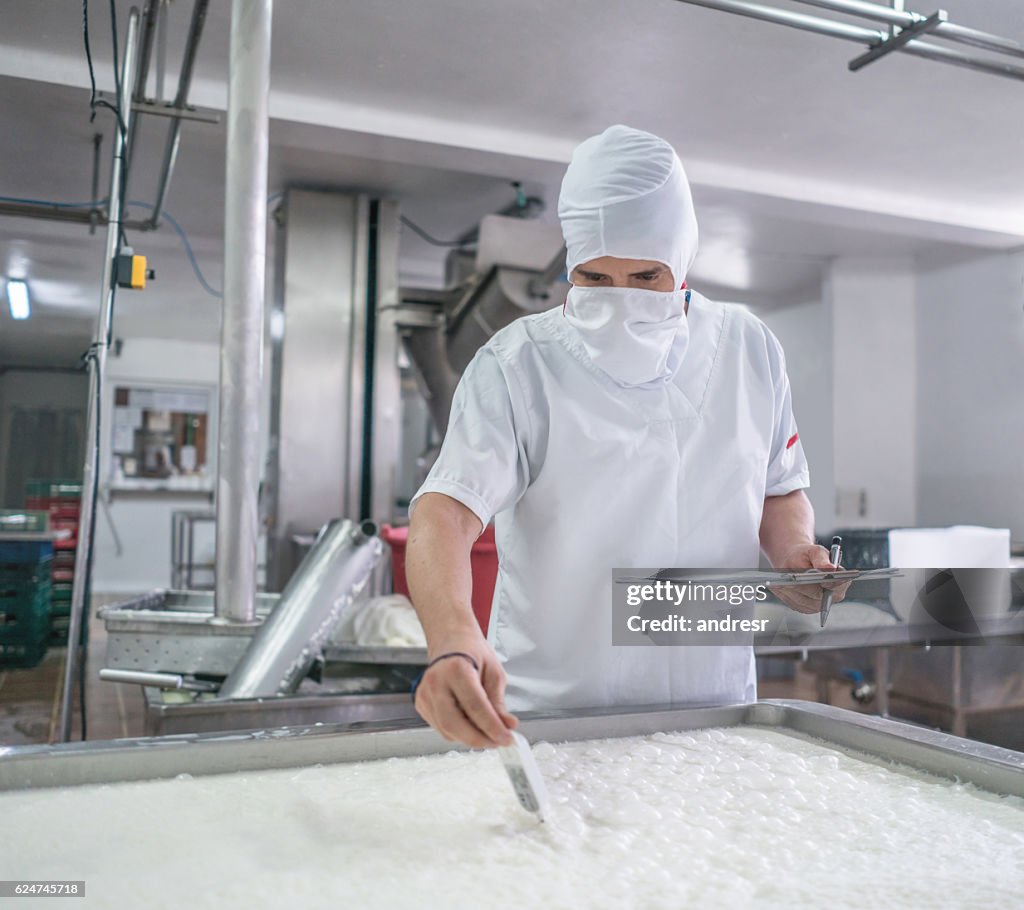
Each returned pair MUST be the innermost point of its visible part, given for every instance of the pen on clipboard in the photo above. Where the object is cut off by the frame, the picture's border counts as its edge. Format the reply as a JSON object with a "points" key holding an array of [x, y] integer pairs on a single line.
{"points": [[835, 554]]}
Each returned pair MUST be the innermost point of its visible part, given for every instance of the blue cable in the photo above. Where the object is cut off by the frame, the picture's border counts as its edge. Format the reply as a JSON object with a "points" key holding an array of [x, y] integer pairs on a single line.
{"points": [[165, 214], [188, 248]]}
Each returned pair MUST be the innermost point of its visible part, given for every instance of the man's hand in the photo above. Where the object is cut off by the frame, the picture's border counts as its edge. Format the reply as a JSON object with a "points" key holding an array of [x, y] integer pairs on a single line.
{"points": [[807, 598], [464, 704]]}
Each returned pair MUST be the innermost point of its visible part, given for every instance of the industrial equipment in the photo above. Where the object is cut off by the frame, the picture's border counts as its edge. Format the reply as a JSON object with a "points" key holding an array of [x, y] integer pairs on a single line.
{"points": [[518, 268]]}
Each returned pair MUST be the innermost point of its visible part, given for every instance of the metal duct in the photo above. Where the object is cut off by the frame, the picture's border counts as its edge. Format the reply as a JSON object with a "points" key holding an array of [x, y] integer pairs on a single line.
{"points": [[422, 334], [328, 579]]}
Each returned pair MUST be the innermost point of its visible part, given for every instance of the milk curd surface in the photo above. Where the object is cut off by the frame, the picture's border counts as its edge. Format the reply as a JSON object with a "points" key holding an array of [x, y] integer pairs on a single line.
{"points": [[715, 818]]}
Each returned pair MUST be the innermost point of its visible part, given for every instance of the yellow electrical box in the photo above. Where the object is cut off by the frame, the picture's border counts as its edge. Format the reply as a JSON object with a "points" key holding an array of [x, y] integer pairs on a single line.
{"points": [[132, 271], [138, 272]]}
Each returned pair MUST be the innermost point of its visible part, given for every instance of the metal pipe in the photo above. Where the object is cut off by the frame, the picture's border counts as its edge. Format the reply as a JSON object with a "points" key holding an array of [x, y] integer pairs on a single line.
{"points": [[159, 680], [161, 52], [948, 30], [898, 38], [241, 346], [945, 55], [188, 62], [866, 36], [795, 20], [97, 145], [62, 213], [87, 516], [149, 16], [283, 649], [899, 6]]}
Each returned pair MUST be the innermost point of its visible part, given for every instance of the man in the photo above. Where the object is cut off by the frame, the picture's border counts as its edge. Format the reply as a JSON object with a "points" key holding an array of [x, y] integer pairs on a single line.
{"points": [[640, 424]]}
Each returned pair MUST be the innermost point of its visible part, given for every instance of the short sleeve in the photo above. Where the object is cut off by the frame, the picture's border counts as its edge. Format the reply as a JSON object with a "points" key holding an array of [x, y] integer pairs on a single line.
{"points": [[787, 464], [482, 462]]}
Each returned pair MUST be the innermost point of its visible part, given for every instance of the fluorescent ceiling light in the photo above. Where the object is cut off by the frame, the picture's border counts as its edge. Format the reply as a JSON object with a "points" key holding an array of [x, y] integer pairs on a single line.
{"points": [[17, 298]]}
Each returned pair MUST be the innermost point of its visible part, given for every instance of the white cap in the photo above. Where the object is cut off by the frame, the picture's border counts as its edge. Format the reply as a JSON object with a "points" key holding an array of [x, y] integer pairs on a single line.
{"points": [[625, 194]]}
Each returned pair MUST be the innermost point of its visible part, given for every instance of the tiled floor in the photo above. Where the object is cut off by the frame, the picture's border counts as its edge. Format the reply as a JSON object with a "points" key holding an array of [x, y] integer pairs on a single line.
{"points": [[30, 699]]}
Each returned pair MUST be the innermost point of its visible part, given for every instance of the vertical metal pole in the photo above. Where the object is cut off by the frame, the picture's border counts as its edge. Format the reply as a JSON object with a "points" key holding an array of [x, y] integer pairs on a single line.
{"points": [[161, 50], [86, 521], [97, 143], [241, 345], [894, 29]]}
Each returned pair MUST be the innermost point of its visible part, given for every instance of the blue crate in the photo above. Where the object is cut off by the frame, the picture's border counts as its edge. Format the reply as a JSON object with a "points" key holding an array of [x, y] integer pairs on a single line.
{"points": [[24, 629], [22, 552]]}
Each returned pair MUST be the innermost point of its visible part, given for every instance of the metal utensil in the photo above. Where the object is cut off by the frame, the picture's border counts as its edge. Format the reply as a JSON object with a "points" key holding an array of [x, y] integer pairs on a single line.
{"points": [[835, 554]]}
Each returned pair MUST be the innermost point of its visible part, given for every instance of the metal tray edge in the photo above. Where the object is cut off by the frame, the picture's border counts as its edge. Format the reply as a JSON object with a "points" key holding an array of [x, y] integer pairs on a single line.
{"points": [[72, 764]]}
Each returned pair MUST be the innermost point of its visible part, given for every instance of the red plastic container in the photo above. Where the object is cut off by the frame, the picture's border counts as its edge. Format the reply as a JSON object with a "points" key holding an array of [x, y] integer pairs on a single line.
{"points": [[65, 524], [484, 557], [59, 508]]}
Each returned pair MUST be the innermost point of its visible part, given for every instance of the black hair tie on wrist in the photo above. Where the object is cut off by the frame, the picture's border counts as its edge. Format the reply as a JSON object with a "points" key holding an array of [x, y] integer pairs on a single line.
{"points": [[438, 659]]}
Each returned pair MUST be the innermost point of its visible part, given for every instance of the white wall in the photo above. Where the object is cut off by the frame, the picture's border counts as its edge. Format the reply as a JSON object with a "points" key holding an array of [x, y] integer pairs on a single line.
{"points": [[970, 423], [143, 520], [872, 305], [851, 360], [805, 332]]}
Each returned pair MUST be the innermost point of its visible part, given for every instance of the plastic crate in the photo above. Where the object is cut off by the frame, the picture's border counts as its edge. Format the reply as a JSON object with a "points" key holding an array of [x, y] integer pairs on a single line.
{"points": [[53, 489], [64, 560], [27, 573], [14, 587], [65, 524], [55, 508], [24, 628], [27, 520], [23, 655], [20, 552], [58, 636], [62, 592]]}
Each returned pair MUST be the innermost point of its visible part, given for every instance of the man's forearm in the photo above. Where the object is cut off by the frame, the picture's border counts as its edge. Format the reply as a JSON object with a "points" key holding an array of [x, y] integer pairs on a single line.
{"points": [[438, 567], [786, 523]]}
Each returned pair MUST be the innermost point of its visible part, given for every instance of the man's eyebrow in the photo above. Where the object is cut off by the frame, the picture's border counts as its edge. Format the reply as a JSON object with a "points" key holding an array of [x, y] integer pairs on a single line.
{"points": [[653, 270], [589, 273]]}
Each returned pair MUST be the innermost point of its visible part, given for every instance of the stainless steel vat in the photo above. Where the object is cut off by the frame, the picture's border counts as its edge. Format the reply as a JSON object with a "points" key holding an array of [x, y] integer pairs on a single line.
{"points": [[995, 769]]}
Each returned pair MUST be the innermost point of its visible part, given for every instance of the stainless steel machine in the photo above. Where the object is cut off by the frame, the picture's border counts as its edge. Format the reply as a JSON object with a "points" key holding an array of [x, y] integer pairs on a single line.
{"points": [[200, 673], [518, 268]]}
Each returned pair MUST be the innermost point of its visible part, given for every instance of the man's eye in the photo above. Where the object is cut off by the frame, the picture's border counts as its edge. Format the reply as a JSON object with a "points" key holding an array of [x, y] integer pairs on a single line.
{"points": [[651, 276]]}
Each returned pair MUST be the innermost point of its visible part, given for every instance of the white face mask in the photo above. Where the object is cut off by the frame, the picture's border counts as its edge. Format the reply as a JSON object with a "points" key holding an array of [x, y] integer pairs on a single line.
{"points": [[638, 337]]}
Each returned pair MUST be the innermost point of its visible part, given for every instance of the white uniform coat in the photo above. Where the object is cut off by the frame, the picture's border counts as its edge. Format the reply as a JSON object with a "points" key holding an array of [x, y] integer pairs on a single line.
{"points": [[582, 475]]}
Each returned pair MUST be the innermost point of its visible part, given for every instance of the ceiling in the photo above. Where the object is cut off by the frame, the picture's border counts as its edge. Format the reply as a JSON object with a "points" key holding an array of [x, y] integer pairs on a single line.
{"points": [[442, 103]]}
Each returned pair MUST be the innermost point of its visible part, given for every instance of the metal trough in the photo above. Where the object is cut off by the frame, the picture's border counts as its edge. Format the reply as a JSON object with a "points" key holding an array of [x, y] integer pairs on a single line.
{"points": [[990, 767]]}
